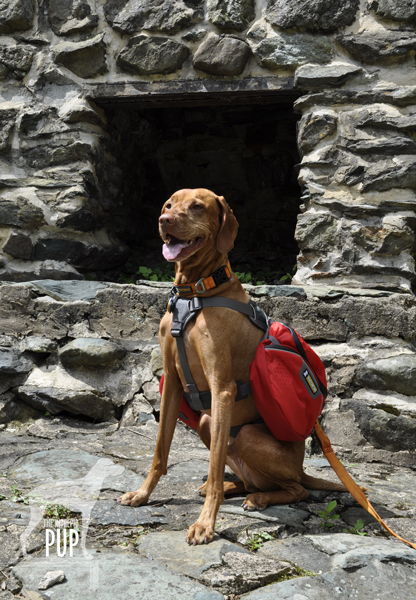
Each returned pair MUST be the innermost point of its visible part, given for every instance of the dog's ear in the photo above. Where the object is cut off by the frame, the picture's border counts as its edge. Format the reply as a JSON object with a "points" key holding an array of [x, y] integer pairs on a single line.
{"points": [[228, 229]]}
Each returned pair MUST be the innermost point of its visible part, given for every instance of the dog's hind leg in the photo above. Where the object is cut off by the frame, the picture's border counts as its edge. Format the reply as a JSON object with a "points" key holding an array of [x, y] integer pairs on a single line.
{"points": [[230, 487], [292, 492]]}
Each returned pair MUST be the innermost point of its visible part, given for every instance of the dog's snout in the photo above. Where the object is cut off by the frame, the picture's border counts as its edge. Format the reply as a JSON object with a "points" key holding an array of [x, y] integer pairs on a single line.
{"points": [[166, 219]]}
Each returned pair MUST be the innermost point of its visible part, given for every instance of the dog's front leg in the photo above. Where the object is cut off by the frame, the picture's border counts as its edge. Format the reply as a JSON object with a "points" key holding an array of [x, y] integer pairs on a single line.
{"points": [[223, 397], [169, 412]]}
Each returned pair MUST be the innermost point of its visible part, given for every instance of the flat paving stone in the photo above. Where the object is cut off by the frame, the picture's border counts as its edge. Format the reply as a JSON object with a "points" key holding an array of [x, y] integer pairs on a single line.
{"points": [[298, 551], [14, 512], [110, 574], [355, 552], [109, 512], [377, 580], [191, 470], [281, 514], [399, 487], [63, 465], [170, 548]]}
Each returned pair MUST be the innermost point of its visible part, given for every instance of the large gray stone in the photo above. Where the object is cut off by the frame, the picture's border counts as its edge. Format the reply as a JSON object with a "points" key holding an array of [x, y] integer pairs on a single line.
{"points": [[171, 549], [311, 76], [242, 572], [55, 390], [109, 512], [221, 55], [19, 246], [19, 212], [300, 551], [111, 574], [86, 59], [281, 514], [68, 291], [15, 61], [231, 15], [166, 16], [16, 15], [389, 173], [396, 373], [54, 466], [313, 15], [314, 127], [12, 363], [71, 16], [152, 55], [377, 580], [293, 49], [391, 145], [91, 352], [382, 428], [397, 11], [354, 551], [273, 291], [374, 47]]}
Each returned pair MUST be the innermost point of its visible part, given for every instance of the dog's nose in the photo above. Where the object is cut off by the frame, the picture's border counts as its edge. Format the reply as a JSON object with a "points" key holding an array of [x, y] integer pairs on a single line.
{"points": [[166, 219]]}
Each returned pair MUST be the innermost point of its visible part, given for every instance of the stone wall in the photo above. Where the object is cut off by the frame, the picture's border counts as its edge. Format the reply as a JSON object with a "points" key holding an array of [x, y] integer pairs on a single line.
{"points": [[90, 349], [350, 61]]}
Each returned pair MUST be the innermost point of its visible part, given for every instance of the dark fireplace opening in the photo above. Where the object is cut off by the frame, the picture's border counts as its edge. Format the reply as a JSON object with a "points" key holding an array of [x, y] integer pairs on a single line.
{"points": [[246, 153]]}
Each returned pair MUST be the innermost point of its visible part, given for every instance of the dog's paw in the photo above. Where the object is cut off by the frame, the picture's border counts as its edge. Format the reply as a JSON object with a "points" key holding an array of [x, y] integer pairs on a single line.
{"points": [[255, 502], [133, 498], [199, 534]]}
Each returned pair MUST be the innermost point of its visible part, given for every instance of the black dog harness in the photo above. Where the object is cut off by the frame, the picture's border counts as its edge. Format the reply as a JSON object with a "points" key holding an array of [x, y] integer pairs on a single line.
{"points": [[183, 311]]}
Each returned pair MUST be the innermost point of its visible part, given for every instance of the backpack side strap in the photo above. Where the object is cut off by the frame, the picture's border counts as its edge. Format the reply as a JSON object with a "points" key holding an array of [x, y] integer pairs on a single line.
{"points": [[349, 483]]}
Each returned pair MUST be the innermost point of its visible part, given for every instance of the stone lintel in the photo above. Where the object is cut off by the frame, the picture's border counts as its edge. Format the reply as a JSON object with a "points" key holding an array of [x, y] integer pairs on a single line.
{"points": [[261, 90]]}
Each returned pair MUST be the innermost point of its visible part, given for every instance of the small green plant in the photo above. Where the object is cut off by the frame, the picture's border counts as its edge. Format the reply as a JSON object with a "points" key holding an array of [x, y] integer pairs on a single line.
{"points": [[3, 497], [47, 414], [327, 517], [57, 511], [257, 540], [243, 277], [357, 527], [287, 277], [17, 496]]}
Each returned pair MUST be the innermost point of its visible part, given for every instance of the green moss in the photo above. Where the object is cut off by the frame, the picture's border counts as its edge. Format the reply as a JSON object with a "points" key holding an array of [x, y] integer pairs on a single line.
{"points": [[388, 409]]}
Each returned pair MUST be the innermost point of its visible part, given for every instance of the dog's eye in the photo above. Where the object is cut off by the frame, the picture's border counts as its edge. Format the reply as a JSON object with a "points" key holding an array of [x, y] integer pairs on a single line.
{"points": [[197, 207], [168, 206]]}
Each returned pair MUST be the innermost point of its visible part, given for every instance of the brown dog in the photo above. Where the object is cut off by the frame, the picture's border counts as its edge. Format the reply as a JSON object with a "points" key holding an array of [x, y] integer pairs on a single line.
{"points": [[199, 229]]}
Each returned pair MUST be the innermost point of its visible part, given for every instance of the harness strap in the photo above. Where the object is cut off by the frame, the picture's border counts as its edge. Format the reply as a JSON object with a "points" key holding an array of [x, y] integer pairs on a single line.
{"points": [[183, 312], [349, 483]]}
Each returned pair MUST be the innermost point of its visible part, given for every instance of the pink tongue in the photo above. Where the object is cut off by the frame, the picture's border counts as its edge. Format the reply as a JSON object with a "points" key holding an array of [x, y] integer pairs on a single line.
{"points": [[171, 251]]}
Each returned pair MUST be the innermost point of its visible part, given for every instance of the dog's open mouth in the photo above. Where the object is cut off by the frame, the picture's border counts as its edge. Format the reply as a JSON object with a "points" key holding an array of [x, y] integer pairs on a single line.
{"points": [[174, 249]]}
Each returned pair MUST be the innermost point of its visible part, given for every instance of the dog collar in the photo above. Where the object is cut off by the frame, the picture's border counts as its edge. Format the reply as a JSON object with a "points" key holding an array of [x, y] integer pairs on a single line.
{"points": [[221, 275]]}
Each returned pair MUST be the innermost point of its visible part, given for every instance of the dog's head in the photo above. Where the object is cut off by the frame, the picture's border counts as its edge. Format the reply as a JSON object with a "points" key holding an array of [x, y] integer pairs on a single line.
{"points": [[196, 221]]}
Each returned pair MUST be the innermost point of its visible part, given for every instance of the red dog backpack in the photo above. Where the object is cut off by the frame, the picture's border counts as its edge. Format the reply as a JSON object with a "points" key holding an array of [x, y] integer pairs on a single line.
{"points": [[287, 378], [288, 383]]}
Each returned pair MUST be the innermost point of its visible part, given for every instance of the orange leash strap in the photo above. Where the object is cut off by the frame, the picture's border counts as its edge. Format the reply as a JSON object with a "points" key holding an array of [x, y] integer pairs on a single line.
{"points": [[349, 482]]}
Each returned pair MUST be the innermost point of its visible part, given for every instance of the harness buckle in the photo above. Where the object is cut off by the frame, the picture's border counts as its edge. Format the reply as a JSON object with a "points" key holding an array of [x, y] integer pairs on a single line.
{"points": [[200, 283]]}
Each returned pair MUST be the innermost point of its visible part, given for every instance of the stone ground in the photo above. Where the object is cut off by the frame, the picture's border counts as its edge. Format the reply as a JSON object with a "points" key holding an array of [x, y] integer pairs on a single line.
{"points": [[282, 552]]}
